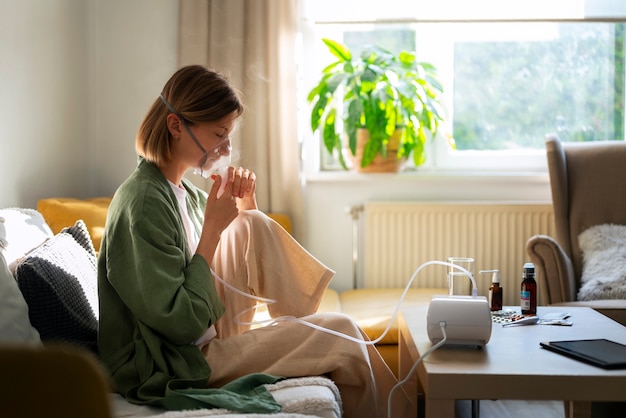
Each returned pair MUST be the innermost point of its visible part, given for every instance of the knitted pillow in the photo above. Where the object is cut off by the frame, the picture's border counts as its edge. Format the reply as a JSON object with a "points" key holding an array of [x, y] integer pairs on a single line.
{"points": [[59, 282]]}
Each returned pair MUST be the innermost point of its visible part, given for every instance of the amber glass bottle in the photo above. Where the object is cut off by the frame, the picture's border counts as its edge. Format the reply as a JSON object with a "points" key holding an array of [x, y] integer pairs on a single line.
{"points": [[495, 292], [528, 294]]}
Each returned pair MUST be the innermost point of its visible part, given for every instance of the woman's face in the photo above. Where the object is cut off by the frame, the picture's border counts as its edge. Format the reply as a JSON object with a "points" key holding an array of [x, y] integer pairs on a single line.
{"points": [[202, 145]]}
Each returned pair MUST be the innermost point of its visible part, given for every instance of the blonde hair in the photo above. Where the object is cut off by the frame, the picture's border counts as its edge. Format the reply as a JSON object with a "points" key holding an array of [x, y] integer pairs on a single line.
{"points": [[198, 95]]}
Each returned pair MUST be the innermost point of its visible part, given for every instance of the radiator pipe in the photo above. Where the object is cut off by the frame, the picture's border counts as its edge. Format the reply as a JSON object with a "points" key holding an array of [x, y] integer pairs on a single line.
{"points": [[354, 212]]}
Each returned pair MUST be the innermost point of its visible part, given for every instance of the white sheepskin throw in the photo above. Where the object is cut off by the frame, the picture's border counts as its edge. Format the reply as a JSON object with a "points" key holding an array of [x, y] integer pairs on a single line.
{"points": [[604, 262], [300, 397]]}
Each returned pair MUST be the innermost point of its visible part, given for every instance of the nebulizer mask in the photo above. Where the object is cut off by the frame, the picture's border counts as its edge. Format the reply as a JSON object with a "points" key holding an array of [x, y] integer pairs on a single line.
{"points": [[218, 167]]}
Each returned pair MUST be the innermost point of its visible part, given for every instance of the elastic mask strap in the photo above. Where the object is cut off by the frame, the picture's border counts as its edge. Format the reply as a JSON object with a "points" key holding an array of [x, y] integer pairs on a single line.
{"points": [[187, 128]]}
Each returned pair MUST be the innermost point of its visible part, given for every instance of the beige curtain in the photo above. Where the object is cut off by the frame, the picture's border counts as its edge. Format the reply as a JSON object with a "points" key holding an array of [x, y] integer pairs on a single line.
{"points": [[253, 43]]}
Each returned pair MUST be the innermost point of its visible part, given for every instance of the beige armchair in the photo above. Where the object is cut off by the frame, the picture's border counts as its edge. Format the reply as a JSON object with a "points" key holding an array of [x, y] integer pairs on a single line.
{"points": [[588, 183]]}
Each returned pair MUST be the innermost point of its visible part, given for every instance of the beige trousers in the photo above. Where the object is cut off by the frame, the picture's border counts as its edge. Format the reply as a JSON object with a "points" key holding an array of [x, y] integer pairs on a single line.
{"points": [[258, 257]]}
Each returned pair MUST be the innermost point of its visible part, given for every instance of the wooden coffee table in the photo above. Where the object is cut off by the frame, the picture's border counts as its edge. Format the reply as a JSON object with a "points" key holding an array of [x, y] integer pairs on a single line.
{"points": [[512, 365]]}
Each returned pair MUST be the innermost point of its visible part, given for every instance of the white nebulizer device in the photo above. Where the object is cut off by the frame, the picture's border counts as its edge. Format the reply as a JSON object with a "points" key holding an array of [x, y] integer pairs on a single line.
{"points": [[218, 167]]}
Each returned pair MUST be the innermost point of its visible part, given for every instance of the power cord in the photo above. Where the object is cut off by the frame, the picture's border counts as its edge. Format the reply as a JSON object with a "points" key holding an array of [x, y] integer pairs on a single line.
{"points": [[442, 326]]}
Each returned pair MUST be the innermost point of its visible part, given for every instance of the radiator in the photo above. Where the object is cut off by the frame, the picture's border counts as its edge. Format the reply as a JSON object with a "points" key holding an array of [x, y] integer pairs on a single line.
{"points": [[399, 237]]}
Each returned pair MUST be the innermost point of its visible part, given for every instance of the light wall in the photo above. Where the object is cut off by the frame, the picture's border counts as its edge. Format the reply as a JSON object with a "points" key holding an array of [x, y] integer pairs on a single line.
{"points": [[134, 52], [77, 76], [43, 99]]}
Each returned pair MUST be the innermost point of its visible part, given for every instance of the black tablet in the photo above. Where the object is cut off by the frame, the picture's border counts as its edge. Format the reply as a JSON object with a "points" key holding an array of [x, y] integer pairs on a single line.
{"points": [[598, 352]]}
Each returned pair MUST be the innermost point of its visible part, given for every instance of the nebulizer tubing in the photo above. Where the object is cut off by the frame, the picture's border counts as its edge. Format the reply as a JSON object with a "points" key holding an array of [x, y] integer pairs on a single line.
{"points": [[268, 301], [442, 324]]}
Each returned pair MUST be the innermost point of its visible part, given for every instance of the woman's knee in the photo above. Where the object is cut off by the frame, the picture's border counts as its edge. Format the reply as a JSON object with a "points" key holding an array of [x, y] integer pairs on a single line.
{"points": [[244, 224], [335, 321], [251, 220], [252, 216]]}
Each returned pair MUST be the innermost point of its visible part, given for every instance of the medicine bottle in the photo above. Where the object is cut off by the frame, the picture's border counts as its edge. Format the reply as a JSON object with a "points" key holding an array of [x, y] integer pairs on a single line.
{"points": [[495, 290], [528, 294]]}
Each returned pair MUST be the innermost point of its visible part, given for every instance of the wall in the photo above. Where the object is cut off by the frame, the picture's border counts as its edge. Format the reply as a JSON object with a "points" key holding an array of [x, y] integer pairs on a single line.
{"points": [[43, 99], [134, 53], [76, 77]]}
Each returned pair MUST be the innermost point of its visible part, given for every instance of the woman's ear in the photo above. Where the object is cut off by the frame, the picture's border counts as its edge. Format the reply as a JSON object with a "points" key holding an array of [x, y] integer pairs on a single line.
{"points": [[174, 125]]}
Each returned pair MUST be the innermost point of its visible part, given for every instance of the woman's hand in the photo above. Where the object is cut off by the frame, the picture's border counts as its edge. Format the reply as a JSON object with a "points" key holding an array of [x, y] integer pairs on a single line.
{"points": [[244, 187], [221, 209], [218, 214], [239, 194]]}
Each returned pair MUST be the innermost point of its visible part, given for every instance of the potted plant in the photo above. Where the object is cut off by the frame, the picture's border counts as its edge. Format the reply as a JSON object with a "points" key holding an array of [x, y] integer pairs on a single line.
{"points": [[376, 94]]}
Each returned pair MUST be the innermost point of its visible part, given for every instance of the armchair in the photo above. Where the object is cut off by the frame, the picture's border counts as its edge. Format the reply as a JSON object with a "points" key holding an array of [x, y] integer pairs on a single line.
{"points": [[588, 184]]}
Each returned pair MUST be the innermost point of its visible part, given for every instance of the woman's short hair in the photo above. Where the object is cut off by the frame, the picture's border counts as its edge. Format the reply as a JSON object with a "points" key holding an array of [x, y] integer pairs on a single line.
{"points": [[198, 95]]}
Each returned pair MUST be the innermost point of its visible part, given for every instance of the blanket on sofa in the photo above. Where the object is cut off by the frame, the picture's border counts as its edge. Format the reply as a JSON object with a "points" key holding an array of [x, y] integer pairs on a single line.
{"points": [[299, 397]]}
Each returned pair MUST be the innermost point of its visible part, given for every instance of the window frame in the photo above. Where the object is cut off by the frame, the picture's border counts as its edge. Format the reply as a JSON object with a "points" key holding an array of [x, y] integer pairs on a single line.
{"points": [[440, 159]]}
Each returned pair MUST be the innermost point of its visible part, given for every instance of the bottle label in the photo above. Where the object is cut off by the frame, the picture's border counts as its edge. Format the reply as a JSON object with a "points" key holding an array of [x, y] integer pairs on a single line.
{"points": [[525, 298]]}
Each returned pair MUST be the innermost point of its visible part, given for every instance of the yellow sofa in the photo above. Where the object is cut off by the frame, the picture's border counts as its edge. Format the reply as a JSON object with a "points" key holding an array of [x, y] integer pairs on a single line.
{"points": [[63, 212], [372, 309]]}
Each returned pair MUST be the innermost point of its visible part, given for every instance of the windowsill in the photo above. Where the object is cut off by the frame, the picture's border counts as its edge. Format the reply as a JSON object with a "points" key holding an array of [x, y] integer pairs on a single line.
{"points": [[432, 186], [429, 175]]}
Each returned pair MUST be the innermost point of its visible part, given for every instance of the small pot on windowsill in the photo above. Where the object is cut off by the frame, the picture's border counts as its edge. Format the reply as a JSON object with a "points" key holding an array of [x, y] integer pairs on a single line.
{"points": [[387, 164]]}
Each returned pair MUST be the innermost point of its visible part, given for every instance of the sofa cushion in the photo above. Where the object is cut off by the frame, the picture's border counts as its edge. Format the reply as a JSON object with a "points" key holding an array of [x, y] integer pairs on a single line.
{"points": [[20, 231], [63, 212], [15, 327], [330, 301], [604, 262], [59, 282]]}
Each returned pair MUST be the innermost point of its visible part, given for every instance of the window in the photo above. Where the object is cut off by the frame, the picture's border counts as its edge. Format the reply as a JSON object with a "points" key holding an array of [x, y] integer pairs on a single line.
{"points": [[509, 80]]}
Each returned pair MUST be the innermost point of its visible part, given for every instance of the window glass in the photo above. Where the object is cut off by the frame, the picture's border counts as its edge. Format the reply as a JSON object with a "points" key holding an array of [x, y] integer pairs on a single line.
{"points": [[515, 82]]}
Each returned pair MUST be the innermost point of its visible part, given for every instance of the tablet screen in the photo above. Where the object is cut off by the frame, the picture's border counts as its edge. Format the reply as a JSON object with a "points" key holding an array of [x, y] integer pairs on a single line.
{"points": [[599, 352]]}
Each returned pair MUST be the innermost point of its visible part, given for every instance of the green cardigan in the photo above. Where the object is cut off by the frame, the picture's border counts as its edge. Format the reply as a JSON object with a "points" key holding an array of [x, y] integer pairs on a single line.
{"points": [[155, 297]]}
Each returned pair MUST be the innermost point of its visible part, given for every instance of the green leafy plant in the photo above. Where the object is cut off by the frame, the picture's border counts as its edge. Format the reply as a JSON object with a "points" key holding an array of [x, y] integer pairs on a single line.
{"points": [[378, 91]]}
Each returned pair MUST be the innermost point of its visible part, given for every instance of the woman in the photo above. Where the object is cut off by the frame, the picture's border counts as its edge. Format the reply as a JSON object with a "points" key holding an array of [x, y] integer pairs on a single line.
{"points": [[166, 322]]}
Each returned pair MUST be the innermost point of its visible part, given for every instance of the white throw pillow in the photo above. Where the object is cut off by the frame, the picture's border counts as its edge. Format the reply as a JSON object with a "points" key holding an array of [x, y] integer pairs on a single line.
{"points": [[21, 231], [604, 262], [15, 327]]}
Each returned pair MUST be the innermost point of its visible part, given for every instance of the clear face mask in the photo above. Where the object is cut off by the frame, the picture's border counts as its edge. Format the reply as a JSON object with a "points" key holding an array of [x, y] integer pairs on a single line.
{"points": [[218, 167]]}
